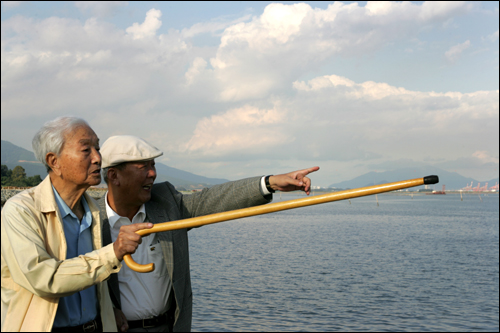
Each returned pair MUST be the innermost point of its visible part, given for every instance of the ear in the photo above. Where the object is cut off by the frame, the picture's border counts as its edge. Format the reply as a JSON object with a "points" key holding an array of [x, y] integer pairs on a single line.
{"points": [[113, 177], [53, 162]]}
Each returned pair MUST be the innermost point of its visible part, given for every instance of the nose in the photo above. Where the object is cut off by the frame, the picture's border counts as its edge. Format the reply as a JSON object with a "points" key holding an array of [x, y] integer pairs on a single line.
{"points": [[152, 172], [96, 156]]}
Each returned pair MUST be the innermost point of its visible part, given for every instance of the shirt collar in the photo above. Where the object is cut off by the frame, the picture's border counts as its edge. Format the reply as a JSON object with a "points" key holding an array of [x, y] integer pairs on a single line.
{"points": [[65, 210], [113, 217]]}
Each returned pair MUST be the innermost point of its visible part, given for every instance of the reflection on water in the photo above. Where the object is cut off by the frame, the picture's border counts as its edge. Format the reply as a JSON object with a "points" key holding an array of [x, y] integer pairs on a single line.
{"points": [[424, 264]]}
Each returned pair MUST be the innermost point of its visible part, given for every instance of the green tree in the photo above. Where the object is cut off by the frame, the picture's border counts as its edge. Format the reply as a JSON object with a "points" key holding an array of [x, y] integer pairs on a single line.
{"points": [[17, 177], [34, 180], [6, 175], [6, 172]]}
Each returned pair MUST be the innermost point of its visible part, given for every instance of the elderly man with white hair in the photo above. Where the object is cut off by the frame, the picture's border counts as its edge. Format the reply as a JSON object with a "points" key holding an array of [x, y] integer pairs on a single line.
{"points": [[54, 265], [161, 301]]}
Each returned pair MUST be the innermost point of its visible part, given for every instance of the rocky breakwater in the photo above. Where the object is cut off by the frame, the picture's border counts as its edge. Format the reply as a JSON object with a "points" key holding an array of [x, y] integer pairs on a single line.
{"points": [[10, 191]]}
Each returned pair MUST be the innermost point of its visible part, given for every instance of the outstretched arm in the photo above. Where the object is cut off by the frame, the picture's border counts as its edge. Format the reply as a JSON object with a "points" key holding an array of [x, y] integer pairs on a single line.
{"points": [[293, 181]]}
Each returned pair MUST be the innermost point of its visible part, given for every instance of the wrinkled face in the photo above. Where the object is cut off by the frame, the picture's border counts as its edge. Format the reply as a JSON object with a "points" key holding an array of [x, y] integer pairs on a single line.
{"points": [[80, 161], [136, 180]]}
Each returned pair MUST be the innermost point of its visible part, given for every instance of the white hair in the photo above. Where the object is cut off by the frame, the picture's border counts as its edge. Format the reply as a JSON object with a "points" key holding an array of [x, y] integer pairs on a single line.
{"points": [[50, 138]]}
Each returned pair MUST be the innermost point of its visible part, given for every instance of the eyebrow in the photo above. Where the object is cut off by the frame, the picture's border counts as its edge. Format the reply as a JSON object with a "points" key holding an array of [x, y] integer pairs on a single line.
{"points": [[87, 141]]}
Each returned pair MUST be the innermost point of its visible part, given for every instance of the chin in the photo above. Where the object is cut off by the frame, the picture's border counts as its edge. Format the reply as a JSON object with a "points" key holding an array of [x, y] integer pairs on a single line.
{"points": [[94, 181], [145, 198]]}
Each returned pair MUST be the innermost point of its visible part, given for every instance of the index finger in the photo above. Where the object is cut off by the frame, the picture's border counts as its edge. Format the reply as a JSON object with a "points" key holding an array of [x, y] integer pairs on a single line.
{"points": [[140, 226], [308, 170]]}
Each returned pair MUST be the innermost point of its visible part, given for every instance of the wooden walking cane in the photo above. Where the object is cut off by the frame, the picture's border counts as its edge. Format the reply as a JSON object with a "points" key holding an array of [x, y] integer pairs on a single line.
{"points": [[271, 208]]}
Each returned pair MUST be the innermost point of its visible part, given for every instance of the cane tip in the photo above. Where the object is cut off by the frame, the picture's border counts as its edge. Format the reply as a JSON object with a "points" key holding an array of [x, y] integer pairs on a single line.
{"points": [[431, 180]]}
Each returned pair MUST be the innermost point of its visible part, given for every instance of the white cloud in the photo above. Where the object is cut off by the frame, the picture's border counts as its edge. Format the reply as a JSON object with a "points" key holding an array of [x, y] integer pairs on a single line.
{"points": [[88, 65], [287, 40], [371, 116], [269, 52], [248, 99], [238, 131], [368, 89], [213, 26], [198, 66], [148, 28], [332, 118], [437, 10], [485, 157], [494, 36], [455, 51]]}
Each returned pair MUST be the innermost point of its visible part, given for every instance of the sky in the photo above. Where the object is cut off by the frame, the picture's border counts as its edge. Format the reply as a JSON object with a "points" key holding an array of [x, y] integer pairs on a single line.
{"points": [[239, 89]]}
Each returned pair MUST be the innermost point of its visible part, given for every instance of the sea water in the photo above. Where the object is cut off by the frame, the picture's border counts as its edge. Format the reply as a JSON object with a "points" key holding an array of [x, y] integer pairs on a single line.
{"points": [[427, 263]]}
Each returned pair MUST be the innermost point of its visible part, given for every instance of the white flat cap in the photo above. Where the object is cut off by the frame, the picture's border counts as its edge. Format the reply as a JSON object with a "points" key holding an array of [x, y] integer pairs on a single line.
{"points": [[126, 148]]}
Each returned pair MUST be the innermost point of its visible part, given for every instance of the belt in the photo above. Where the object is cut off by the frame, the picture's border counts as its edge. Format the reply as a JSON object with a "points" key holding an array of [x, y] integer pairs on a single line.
{"points": [[91, 326], [166, 318], [149, 323]]}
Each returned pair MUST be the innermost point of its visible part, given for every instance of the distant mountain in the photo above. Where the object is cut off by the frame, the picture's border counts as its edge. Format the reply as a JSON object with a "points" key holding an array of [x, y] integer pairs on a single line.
{"points": [[176, 174], [12, 155], [452, 180]]}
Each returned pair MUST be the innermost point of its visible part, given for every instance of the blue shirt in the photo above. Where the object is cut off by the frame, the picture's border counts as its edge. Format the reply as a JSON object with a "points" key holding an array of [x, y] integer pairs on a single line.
{"points": [[82, 306]]}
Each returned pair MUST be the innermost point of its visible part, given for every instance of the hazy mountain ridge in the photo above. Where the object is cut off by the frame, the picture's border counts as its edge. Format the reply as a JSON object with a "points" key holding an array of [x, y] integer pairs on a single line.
{"points": [[12, 154], [452, 180]]}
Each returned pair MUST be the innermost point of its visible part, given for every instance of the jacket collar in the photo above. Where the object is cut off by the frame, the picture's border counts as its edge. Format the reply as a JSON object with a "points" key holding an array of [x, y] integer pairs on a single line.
{"points": [[45, 201]]}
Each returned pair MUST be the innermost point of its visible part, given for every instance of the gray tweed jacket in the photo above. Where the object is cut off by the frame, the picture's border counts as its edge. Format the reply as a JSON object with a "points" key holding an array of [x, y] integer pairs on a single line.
{"points": [[167, 204]]}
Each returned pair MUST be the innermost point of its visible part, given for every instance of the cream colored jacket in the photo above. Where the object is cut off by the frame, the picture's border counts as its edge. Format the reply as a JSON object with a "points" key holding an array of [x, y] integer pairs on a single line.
{"points": [[35, 272]]}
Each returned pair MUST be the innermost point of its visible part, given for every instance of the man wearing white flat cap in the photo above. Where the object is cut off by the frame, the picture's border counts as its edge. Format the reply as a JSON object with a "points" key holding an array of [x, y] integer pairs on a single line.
{"points": [[161, 301]]}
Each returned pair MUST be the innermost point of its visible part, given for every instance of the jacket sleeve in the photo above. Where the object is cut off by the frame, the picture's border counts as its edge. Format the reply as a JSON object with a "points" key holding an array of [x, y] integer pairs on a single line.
{"points": [[224, 197], [26, 253]]}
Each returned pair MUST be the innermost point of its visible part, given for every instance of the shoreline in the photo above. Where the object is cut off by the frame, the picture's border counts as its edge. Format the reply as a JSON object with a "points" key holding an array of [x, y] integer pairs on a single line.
{"points": [[95, 192]]}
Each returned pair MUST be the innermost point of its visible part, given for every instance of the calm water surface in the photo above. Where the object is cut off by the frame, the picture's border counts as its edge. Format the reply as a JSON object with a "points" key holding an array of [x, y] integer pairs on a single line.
{"points": [[424, 264]]}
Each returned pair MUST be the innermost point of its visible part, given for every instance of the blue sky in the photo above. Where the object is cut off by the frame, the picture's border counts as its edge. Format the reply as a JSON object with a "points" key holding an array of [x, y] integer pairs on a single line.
{"points": [[235, 89]]}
